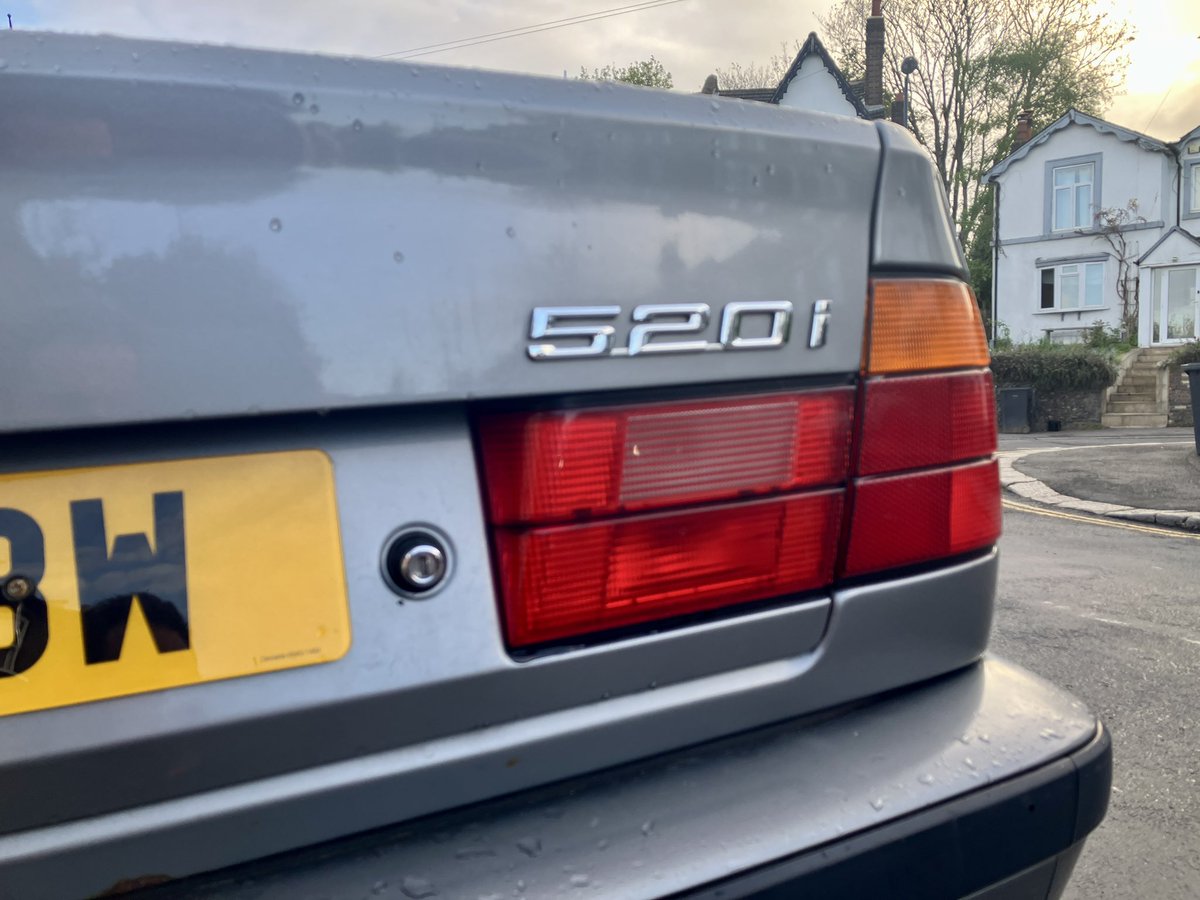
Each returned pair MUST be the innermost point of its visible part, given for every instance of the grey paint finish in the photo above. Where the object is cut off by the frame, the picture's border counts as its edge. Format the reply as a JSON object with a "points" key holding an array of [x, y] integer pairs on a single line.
{"points": [[199, 231], [416, 672], [644, 831], [1097, 161], [912, 229], [878, 637]]}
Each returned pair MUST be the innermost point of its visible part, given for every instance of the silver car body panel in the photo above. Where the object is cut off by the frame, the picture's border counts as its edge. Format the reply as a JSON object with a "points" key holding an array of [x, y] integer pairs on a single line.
{"points": [[707, 815], [194, 231]]}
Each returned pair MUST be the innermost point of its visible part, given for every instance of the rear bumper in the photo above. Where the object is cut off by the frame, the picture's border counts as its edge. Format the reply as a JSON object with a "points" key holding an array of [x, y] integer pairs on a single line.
{"points": [[942, 790]]}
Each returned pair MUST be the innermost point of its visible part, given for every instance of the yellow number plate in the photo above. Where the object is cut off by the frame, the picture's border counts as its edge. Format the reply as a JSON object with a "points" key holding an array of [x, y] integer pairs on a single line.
{"points": [[135, 578]]}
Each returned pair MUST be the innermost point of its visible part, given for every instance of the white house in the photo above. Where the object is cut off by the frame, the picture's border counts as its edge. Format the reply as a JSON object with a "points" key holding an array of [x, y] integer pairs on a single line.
{"points": [[814, 81], [1093, 221]]}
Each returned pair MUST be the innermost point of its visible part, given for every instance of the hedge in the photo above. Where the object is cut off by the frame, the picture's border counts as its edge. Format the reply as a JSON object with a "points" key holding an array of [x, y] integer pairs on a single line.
{"points": [[1185, 353], [1049, 367]]}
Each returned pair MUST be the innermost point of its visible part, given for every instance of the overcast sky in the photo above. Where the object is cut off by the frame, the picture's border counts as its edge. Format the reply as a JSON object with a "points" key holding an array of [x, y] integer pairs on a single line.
{"points": [[691, 37]]}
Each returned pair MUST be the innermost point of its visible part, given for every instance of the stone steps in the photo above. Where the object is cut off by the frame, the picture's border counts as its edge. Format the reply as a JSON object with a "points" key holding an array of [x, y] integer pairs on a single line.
{"points": [[1134, 402], [1132, 406], [1134, 420]]}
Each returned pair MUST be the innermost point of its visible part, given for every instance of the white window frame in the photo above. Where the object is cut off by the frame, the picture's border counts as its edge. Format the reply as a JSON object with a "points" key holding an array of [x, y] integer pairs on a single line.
{"points": [[1195, 204], [1078, 271], [1072, 190], [1051, 227]]}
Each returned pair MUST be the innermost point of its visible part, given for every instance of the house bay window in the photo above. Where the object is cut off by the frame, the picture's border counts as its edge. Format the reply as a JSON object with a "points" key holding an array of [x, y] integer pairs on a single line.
{"points": [[1074, 286], [1073, 202], [1195, 205]]}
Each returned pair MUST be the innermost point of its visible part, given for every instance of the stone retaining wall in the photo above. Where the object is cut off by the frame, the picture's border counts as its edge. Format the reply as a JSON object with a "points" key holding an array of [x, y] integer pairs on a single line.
{"points": [[1179, 398], [1072, 409]]}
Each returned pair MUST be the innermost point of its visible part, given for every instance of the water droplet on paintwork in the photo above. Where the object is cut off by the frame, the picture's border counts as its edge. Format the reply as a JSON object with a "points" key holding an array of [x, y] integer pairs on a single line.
{"points": [[398, 257], [647, 826], [275, 225], [510, 231], [925, 779], [968, 762], [877, 804], [314, 109], [770, 168], [580, 881], [297, 99], [530, 846]]}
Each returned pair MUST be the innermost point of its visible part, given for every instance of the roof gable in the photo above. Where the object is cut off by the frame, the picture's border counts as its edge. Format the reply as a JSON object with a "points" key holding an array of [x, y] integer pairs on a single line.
{"points": [[1075, 117], [1174, 239], [813, 47]]}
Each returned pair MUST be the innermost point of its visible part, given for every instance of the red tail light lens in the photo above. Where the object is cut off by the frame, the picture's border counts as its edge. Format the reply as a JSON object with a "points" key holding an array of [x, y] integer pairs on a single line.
{"points": [[570, 580], [927, 420], [557, 466], [914, 518]]}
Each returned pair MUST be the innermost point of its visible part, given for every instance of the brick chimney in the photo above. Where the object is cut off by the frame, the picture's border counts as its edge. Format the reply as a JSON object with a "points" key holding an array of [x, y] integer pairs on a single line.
{"points": [[898, 109], [710, 85], [1024, 128], [873, 86]]}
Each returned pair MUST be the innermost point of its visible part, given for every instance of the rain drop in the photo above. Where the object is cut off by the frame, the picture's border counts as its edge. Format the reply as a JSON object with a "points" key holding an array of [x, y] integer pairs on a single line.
{"points": [[716, 154], [925, 779], [714, 106], [135, 56], [647, 827], [601, 844], [478, 86], [379, 887], [314, 109], [357, 125], [398, 257], [877, 804], [969, 763], [580, 881], [530, 846], [595, 822], [1049, 734], [754, 181], [828, 168], [985, 739], [275, 225], [510, 231], [297, 99], [964, 739], [417, 888], [770, 168], [554, 136]]}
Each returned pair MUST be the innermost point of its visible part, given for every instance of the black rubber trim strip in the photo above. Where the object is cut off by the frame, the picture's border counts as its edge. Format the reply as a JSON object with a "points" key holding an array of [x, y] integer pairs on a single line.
{"points": [[950, 850]]}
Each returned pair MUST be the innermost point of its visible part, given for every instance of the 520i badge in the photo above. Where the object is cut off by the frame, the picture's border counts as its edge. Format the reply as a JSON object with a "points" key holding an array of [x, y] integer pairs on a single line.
{"points": [[666, 328]]}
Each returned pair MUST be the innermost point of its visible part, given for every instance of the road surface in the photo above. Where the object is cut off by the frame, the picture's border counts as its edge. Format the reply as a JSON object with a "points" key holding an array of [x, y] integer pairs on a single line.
{"points": [[1111, 612]]}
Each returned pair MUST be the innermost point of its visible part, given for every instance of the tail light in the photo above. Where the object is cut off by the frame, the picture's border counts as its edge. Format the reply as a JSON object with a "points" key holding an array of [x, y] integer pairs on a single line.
{"points": [[604, 518]]}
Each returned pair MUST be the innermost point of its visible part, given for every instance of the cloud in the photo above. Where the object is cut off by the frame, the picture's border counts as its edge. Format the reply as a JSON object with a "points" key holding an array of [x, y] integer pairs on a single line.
{"points": [[692, 38]]}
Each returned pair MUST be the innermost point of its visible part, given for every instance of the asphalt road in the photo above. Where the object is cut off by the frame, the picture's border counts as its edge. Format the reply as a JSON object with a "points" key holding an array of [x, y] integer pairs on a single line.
{"points": [[1112, 612]]}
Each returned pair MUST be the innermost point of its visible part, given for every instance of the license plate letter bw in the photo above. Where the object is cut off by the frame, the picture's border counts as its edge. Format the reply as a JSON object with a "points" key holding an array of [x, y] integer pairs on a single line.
{"points": [[109, 584]]}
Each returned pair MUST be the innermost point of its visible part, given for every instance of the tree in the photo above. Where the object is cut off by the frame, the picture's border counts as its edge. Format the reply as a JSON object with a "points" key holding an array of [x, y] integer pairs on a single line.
{"points": [[758, 75], [981, 63], [646, 72], [1111, 224]]}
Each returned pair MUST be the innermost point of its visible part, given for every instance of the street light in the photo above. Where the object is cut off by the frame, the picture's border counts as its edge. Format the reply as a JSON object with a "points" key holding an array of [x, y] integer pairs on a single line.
{"points": [[908, 66]]}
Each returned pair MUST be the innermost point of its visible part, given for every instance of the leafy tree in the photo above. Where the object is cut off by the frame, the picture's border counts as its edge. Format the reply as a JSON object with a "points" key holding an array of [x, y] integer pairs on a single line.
{"points": [[646, 72], [981, 63]]}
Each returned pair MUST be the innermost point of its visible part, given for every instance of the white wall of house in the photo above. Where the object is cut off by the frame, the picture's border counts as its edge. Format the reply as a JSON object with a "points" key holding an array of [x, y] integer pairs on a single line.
{"points": [[814, 87], [1080, 269]]}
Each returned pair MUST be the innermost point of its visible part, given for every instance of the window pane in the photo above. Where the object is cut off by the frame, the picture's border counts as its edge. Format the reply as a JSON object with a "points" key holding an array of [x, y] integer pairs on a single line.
{"points": [[1094, 284], [1064, 175], [1083, 206], [1181, 303], [1047, 289], [1196, 188], [1068, 288], [1062, 208]]}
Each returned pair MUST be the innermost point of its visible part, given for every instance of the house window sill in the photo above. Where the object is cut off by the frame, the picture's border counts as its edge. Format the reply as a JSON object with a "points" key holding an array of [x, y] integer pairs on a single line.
{"points": [[1073, 309]]}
